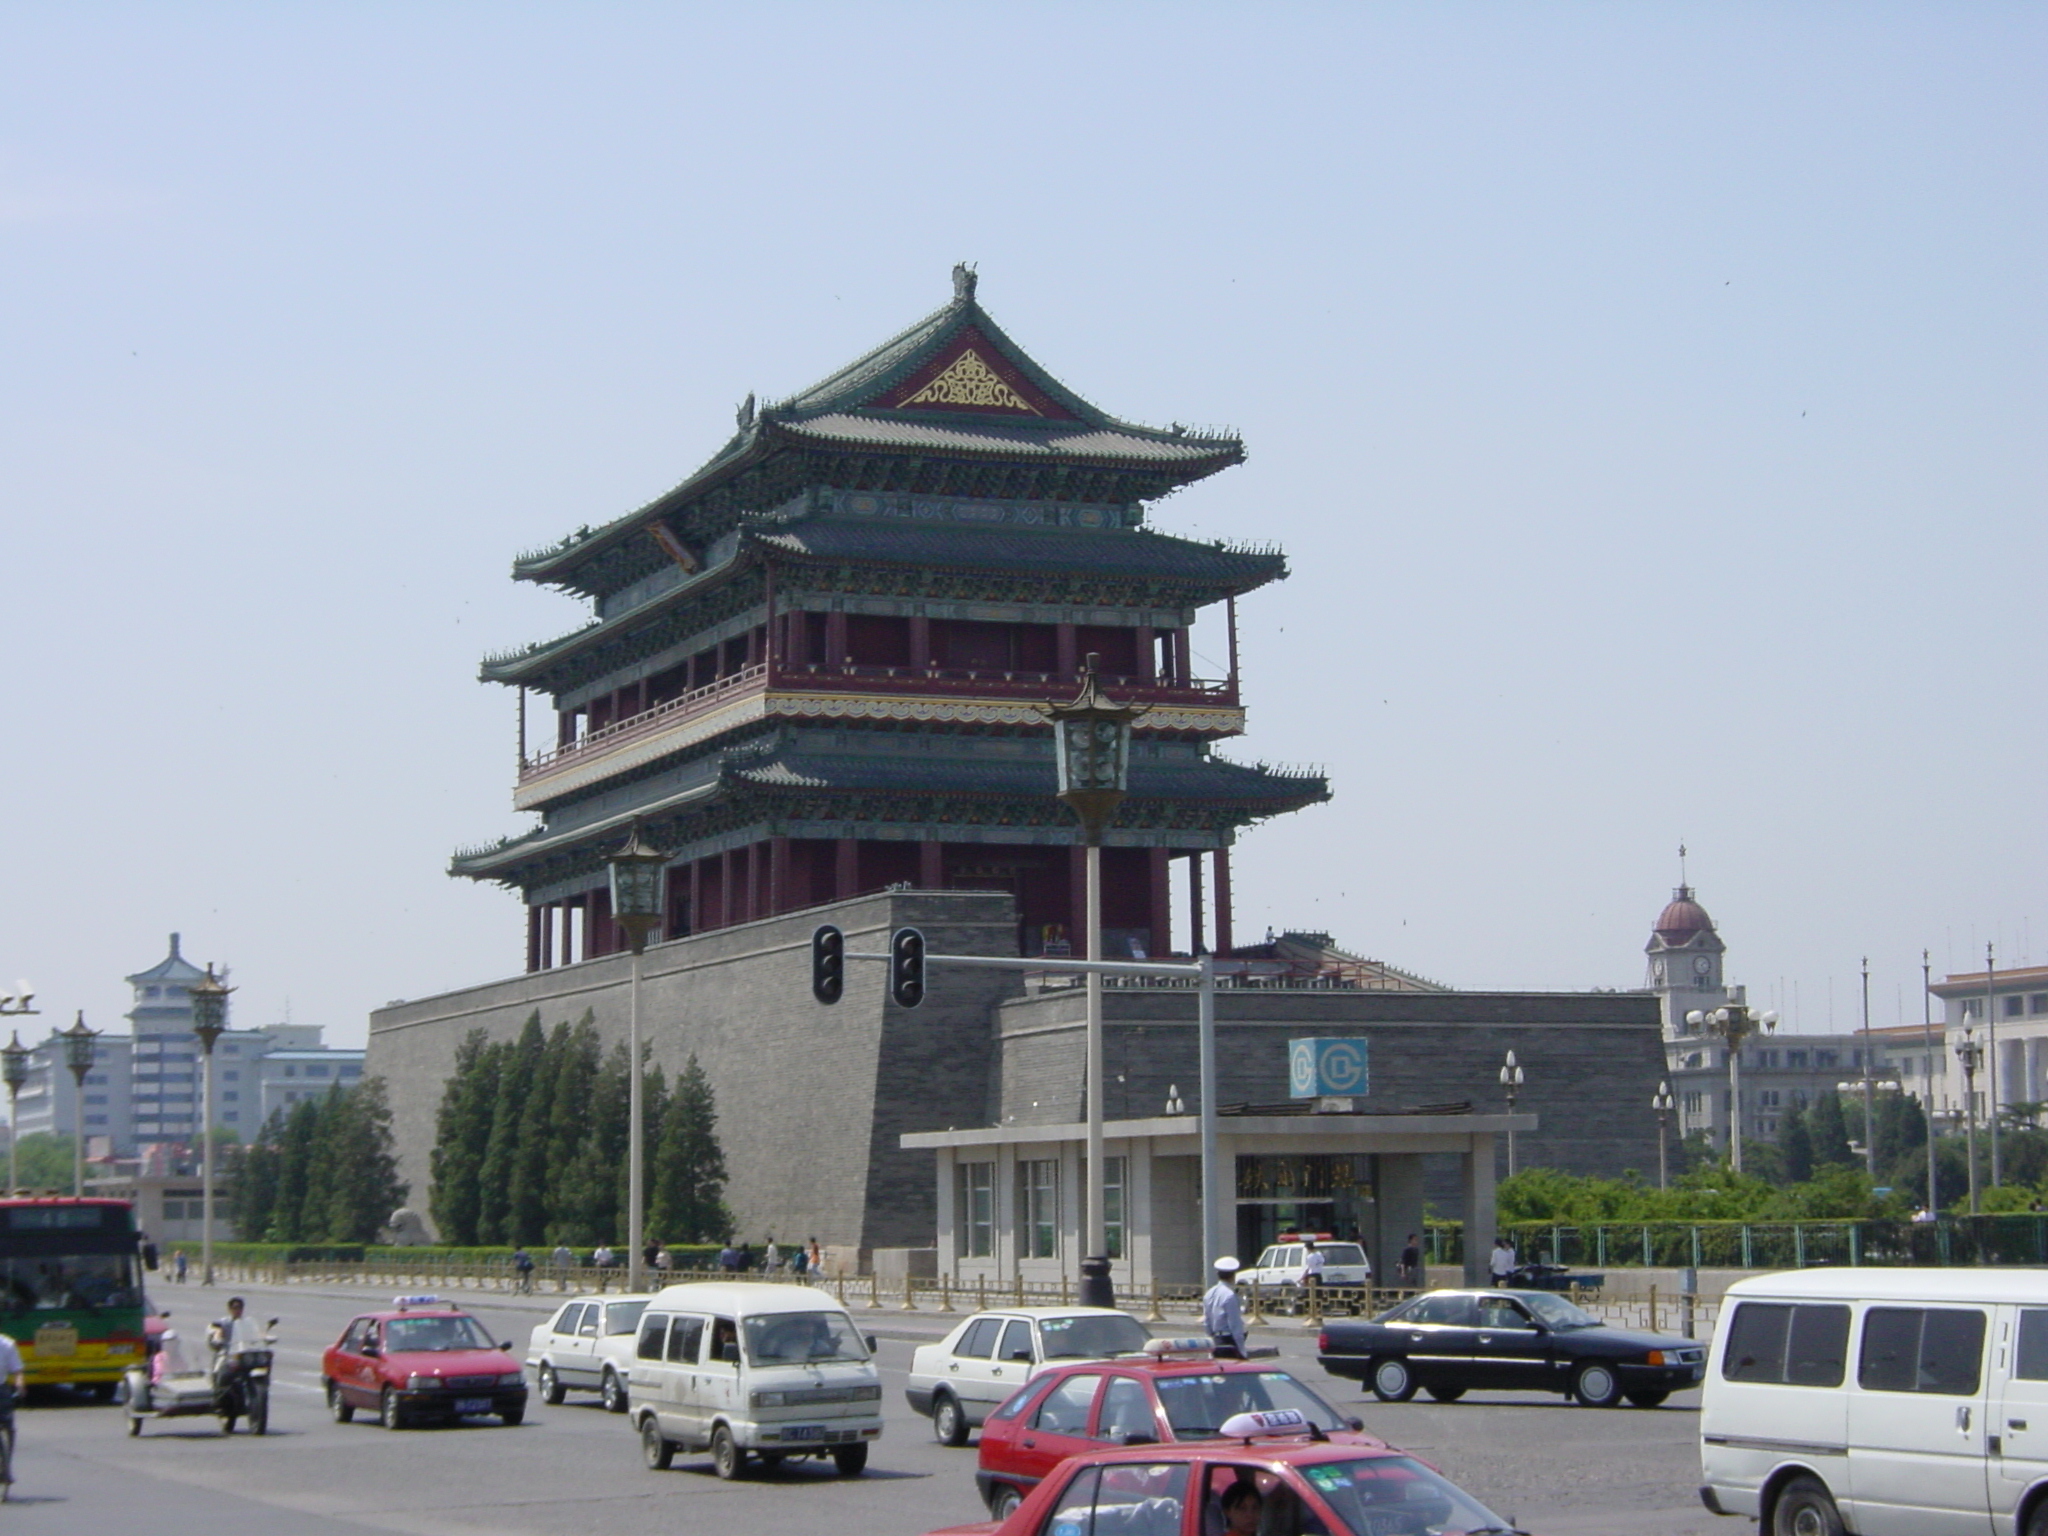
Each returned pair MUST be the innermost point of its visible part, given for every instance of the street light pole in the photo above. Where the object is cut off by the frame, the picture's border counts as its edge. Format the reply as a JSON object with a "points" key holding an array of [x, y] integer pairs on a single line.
{"points": [[209, 1019], [1927, 1042], [80, 1047], [1869, 1097], [1734, 1023], [636, 907], [1991, 1060], [1511, 1082], [1971, 1055], [1092, 751], [1663, 1102]]}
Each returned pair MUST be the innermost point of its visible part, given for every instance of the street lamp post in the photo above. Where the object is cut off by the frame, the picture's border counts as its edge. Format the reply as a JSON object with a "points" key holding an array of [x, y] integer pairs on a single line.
{"points": [[14, 1061], [1927, 1043], [1869, 1098], [1991, 1063], [81, 1046], [636, 907], [1511, 1084], [1734, 1023], [209, 1020], [1663, 1102], [1971, 1055], [1092, 751], [1870, 1088]]}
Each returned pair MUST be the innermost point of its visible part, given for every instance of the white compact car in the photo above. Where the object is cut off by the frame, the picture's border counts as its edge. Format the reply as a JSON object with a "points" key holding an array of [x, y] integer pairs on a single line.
{"points": [[965, 1377], [1280, 1268], [587, 1346]]}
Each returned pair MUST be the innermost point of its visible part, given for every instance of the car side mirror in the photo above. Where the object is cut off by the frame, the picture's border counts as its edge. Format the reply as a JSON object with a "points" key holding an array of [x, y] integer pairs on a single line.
{"points": [[1357, 1425], [869, 1340], [506, 1346], [271, 1324], [730, 1354], [1139, 1437], [372, 1351], [1021, 1354]]}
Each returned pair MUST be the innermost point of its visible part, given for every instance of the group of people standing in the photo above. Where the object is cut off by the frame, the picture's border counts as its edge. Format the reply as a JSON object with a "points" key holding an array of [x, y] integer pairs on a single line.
{"points": [[798, 1259]]}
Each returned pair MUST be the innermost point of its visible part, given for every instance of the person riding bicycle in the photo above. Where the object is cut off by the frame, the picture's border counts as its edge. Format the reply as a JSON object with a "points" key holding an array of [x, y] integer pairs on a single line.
{"points": [[16, 1383]]}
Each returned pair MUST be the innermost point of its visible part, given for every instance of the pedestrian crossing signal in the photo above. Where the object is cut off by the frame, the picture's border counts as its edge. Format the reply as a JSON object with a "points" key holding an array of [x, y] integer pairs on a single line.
{"points": [[906, 967], [828, 964]]}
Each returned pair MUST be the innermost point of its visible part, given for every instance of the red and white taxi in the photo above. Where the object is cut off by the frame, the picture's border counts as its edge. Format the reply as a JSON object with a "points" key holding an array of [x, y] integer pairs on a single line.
{"points": [[421, 1359], [1175, 1391]]}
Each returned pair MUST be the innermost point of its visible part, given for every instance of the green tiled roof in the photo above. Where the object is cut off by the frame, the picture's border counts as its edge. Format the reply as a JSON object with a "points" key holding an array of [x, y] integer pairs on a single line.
{"points": [[1211, 780], [1116, 554]]}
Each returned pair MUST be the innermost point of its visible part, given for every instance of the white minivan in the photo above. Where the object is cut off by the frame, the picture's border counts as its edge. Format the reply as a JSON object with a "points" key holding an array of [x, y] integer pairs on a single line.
{"points": [[1889, 1402], [745, 1370]]}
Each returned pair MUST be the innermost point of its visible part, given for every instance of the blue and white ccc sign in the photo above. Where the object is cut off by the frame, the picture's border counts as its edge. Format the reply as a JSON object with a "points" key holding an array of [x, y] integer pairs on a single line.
{"points": [[1328, 1068]]}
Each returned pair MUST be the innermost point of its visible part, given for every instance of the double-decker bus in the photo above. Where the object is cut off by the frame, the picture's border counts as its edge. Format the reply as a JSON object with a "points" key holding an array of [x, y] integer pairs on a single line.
{"points": [[71, 1289]]}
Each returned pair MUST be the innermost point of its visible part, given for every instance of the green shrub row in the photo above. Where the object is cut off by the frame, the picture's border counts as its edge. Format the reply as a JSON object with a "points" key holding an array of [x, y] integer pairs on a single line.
{"points": [[684, 1255]]}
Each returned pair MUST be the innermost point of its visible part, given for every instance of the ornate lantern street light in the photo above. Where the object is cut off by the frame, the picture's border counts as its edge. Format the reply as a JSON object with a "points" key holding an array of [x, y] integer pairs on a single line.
{"points": [[1663, 1102], [14, 1066], [636, 872], [1870, 1088], [1971, 1055], [81, 1047], [1092, 749], [1735, 1023], [209, 1019], [1511, 1084]]}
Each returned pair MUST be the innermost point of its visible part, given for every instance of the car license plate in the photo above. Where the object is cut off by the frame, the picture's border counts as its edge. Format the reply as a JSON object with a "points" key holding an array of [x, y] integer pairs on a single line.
{"points": [[804, 1432], [472, 1405]]}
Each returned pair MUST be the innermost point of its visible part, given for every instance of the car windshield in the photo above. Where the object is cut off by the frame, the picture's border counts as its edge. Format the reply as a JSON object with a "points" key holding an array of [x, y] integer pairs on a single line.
{"points": [[623, 1316], [1554, 1311], [794, 1338], [434, 1335], [72, 1282], [1349, 1254], [1197, 1406], [1092, 1337], [1394, 1493]]}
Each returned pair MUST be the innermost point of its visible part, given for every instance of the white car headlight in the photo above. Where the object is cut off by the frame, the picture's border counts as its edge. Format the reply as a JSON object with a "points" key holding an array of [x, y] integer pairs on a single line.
{"points": [[419, 1383], [767, 1399]]}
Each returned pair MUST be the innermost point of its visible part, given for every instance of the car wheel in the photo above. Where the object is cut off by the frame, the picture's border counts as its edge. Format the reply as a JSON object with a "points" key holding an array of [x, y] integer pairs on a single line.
{"points": [[612, 1392], [949, 1423], [1003, 1501], [1596, 1386], [337, 1405], [1447, 1394], [1805, 1508], [1648, 1398], [551, 1389], [2037, 1520], [851, 1460], [1392, 1380], [655, 1450], [727, 1459], [388, 1413]]}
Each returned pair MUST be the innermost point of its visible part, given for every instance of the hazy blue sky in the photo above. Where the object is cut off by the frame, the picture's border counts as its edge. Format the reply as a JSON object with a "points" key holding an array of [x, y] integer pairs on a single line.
{"points": [[1649, 398]]}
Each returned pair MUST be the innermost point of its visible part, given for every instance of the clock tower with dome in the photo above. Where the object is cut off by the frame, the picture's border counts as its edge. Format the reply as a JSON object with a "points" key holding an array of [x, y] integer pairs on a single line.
{"points": [[1685, 961]]}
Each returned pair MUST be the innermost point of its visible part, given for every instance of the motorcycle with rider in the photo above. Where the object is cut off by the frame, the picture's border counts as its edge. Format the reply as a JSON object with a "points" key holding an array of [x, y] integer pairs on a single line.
{"points": [[235, 1386]]}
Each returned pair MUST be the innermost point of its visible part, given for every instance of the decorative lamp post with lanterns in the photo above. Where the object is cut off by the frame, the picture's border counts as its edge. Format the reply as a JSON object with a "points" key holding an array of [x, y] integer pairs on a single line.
{"points": [[14, 1066], [1092, 750], [1870, 1088], [1511, 1084], [209, 1020], [1733, 1023], [1971, 1055], [636, 872], [1663, 1102], [81, 1049]]}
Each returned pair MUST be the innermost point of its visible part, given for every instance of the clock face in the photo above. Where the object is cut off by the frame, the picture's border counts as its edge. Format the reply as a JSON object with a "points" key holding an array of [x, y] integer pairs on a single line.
{"points": [[1701, 965], [1657, 972]]}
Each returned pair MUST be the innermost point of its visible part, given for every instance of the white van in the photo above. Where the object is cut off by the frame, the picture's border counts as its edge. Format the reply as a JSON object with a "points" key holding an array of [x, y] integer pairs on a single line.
{"points": [[743, 1370], [1888, 1402]]}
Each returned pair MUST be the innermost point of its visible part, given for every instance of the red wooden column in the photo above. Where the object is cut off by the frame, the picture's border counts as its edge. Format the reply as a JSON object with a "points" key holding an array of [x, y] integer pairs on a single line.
{"points": [[921, 641], [1183, 664], [1066, 658], [597, 919], [1223, 945], [727, 907], [533, 915], [1197, 919], [931, 866], [1156, 871], [697, 923], [752, 854], [835, 639], [1148, 655], [846, 868], [778, 877]]}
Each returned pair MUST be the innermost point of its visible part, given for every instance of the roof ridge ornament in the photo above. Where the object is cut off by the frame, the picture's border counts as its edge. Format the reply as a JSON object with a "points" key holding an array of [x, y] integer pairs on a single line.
{"points": [[745, 414], [964, 279]]}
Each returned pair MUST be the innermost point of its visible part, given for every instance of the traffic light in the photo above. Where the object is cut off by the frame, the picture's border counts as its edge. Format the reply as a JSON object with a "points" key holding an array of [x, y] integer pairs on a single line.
{"points": [[828, 964], [906, 967]]}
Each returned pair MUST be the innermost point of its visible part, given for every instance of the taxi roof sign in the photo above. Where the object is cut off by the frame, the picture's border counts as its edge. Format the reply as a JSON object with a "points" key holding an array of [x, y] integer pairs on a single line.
{"points": [[1274, 1421], [405, 1302]]}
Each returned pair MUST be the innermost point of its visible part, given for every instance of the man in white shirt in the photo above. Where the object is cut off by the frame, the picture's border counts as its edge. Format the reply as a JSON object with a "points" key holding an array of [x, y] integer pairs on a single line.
{"points": [[1223, 1313], [1312, 1261], [16, 1376], [230, 1336], [1502, 1263]]}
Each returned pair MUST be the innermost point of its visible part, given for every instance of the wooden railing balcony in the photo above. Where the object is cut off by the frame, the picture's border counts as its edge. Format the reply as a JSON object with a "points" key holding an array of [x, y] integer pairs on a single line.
{"points": [[697, 701]]}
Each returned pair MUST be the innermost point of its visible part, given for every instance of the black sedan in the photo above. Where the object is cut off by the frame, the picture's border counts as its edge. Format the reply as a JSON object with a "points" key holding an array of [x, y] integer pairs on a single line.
{"points": [[1449, 1342]]}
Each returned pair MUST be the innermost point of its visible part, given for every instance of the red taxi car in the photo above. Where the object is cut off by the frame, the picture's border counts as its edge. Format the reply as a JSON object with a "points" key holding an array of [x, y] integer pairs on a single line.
{"points": [[1175, 1391], [1304, 1487], [422, 1359]]}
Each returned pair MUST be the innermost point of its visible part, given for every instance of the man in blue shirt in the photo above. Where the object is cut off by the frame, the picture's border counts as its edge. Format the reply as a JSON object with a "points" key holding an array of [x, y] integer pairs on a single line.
{"points": [[1223, 1313]]}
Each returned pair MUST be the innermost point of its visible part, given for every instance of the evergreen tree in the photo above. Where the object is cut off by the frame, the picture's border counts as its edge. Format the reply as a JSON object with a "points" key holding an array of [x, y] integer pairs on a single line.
{"points": [[517, 1068], [254, 1201], [687, 1184], [1901, 1132], [462, 1127], [1829, 1133], [590, 1200], [526, 1184], [1795, 1145], [363, 1187], [295, 1149], [571, 1125], [653, 1122]]}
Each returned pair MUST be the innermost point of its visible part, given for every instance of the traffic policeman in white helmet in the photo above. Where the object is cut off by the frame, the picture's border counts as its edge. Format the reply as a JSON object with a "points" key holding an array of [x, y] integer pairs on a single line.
{"points": [[1223, 1313]]}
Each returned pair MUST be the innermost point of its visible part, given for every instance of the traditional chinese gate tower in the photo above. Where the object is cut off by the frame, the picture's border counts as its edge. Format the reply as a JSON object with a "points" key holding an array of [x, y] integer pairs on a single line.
{"points": [[815, 666]]}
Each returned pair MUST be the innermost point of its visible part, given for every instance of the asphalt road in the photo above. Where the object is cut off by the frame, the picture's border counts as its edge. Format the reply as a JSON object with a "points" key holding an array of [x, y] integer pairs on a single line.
{"points": [[1559, 1470]]}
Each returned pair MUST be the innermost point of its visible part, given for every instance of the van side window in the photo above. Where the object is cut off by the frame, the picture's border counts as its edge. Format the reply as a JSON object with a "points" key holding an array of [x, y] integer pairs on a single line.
{"points": [[1921, 1349], [683, 1337], [2030, 1360], [1799, 1346], [979, 1338], [653, 1329], [725, 1334]]}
